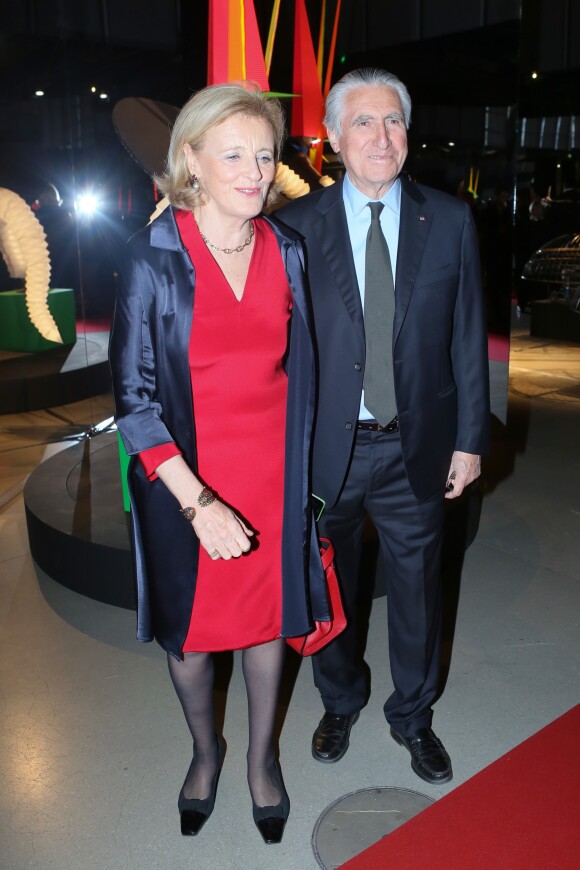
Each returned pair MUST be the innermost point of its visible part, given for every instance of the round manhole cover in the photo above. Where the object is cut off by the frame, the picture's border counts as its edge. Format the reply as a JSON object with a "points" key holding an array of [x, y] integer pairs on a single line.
{"points": [[357, 820]]}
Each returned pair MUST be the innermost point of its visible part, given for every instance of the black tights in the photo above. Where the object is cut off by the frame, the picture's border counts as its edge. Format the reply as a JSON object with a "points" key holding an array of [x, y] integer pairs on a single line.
{"points": [[193, 678]]}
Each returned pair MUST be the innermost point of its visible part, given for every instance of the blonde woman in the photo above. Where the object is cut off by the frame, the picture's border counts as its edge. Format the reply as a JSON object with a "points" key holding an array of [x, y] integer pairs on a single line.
{"points": [[213, 370]]}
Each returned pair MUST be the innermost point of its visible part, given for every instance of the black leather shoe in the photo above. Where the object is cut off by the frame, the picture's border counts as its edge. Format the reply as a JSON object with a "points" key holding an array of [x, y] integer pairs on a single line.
{"points": [[331, 738], [429, 759], [271, 821], [194, 813]]}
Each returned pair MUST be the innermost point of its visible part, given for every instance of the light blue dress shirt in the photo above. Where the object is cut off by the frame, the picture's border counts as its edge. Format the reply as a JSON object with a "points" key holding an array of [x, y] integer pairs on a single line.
{"points": [[358, 218]]}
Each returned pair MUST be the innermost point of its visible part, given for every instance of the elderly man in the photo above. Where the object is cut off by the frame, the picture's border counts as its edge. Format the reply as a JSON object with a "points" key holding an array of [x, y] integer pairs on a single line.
{"points": [[403, 404]]}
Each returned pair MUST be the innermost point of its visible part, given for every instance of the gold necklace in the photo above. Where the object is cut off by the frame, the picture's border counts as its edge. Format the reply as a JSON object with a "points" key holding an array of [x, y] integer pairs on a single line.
{"points": [[237, 250]]}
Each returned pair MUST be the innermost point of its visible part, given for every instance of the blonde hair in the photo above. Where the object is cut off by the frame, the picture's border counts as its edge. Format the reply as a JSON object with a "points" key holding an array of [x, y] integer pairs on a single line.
{"points": [[205, 109]]}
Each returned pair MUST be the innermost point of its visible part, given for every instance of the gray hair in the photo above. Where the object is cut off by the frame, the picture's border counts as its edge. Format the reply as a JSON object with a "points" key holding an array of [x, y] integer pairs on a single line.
{"points": [[207, 108], [360, 78]]}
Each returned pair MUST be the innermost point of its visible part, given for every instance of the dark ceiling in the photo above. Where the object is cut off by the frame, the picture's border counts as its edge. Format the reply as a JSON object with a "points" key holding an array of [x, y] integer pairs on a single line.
{"points": [[473, 68], [477, 67]]}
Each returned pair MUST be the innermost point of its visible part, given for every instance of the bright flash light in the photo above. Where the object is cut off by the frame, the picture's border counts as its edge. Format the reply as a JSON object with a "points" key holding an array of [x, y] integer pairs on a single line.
{"points": [[104, 96], [87, 204], [39, 93]]}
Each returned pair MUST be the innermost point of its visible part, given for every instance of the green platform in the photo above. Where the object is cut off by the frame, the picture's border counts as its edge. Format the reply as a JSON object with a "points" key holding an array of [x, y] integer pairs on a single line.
{"points": [[17, 332]]}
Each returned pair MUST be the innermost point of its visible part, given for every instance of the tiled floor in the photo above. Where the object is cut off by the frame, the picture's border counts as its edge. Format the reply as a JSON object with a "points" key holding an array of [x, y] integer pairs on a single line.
{"points": [[93, 747]]}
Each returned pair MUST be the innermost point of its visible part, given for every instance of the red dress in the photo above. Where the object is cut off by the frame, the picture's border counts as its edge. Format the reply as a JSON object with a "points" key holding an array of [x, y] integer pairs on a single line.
{"points": [[239, 386]]}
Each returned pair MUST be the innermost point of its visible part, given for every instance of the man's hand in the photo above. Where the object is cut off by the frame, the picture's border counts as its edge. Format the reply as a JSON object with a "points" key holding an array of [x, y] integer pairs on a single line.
{"points": [[464, 469]]}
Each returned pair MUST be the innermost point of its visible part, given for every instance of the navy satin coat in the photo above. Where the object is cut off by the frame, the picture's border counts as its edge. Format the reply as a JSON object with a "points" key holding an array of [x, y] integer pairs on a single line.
{"points": [[154, 405]]}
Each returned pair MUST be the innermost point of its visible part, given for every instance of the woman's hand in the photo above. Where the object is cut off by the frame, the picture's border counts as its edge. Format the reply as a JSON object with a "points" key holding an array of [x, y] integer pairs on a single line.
{"points": [[221, 532]]}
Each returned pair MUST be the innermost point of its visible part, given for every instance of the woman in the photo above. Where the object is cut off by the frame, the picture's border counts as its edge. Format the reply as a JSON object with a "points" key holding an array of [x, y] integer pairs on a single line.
{"points": [[213, 376]]}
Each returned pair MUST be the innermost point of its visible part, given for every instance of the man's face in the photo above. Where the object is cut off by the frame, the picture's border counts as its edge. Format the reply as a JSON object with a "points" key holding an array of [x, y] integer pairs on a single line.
{"points": [[373, 142]]}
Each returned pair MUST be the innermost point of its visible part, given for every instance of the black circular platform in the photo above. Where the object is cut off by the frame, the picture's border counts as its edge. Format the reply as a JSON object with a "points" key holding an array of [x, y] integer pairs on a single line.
{"points": [[32, 381], [77, 528]]}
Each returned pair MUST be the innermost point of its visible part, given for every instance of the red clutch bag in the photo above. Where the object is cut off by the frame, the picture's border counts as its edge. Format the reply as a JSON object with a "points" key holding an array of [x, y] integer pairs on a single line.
{"points": [[323, 632]]}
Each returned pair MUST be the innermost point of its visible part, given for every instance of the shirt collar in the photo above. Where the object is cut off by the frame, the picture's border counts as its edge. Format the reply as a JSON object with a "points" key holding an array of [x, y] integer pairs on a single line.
{"points": [[357, 201]]}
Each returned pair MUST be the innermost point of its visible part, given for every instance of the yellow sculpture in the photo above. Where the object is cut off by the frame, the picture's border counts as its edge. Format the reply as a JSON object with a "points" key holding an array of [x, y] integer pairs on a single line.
{"points": [[25, 252], [289, 182]]}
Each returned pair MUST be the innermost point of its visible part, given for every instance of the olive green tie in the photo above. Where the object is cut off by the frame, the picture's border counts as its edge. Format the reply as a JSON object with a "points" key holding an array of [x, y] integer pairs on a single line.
{"points": [[379, 310]]}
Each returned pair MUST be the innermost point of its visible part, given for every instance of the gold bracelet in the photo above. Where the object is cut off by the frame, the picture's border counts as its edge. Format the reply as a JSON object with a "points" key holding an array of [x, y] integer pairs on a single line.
{"points": [[205, 497]]}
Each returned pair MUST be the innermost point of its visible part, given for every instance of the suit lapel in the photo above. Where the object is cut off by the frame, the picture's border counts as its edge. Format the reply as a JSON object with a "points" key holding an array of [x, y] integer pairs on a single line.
{"points": [[414, 229], [333, 239]]}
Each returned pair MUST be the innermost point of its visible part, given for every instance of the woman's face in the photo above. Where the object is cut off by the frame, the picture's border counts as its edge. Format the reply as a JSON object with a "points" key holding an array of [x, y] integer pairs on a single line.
{"points": [[235, 166]]}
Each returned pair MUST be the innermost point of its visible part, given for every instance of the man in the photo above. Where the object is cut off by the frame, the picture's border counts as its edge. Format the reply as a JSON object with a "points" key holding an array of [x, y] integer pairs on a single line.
{"points": [[403, 405]]}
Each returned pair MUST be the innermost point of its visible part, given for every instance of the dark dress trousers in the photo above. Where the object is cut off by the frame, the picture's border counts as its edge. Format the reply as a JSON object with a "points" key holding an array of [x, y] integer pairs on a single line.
{"points": [[441, 380], [153, 399]]}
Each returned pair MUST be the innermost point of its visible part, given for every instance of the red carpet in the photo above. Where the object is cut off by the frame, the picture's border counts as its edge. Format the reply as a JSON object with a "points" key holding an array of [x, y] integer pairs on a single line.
{"points": [[498, 347], [93, 324], [520, 813]]}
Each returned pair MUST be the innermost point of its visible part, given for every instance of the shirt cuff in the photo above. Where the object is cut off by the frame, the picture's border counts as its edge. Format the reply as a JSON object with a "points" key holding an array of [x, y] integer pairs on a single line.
{"points": [[151, 459]]}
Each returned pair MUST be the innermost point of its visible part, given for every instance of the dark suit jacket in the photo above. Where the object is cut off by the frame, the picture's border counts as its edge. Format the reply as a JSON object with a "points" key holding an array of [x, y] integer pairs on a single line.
{"points": [[439, 335], [153, 399]]}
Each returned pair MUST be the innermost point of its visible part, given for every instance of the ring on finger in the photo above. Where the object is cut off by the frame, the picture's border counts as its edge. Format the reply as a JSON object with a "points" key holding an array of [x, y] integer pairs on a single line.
{"points": [[214, 554]]}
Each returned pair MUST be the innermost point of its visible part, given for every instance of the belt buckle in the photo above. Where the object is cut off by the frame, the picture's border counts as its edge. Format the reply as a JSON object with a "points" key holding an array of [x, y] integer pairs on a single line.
{"points": [[374, 426]]}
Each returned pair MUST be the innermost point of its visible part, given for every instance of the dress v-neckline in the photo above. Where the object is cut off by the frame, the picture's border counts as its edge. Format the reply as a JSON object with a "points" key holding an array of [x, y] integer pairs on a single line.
{"points": [[228, 287], [198, 251]]}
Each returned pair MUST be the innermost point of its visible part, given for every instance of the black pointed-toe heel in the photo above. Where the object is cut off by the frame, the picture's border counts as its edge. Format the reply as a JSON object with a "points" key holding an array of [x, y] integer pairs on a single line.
{"points": [[194, 812], [271, 821]]}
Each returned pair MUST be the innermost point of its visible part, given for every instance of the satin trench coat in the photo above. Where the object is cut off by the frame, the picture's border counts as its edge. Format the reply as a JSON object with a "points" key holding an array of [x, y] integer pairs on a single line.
{"points": [[154, 405]]}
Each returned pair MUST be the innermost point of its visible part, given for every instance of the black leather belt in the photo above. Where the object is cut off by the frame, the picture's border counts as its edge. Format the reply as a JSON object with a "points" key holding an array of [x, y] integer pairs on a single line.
{"points": [[373, 426]]}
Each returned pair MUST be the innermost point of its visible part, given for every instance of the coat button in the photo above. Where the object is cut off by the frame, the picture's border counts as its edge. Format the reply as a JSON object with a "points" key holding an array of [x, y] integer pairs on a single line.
{"points": [[348, 425], [357, 367]]}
